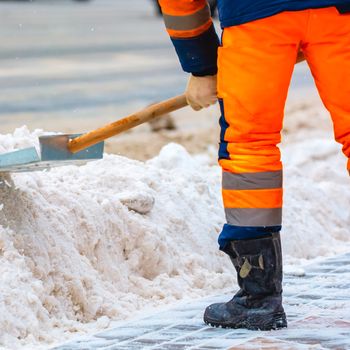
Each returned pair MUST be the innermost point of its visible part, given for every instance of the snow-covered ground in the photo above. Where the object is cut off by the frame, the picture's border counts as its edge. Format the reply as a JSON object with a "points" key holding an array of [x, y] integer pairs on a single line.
{"points": [[81, 246]]}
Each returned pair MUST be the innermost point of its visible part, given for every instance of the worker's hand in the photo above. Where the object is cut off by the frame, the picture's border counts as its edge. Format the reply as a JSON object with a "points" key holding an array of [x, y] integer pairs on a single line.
{"points": [[201, 91]]}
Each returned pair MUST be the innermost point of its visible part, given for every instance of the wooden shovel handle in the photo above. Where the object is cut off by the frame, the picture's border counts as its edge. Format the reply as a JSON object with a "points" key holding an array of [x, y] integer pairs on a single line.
{"points": [[145, 115]]}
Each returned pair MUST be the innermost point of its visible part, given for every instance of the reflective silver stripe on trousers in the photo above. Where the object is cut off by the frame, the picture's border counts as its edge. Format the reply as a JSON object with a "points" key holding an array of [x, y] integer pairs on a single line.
{"points": [[254, 217], [189, 22], [252, 181]]}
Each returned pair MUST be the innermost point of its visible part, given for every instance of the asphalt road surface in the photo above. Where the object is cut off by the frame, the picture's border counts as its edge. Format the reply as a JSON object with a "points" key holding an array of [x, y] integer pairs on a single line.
{"points": [[63, 62]]}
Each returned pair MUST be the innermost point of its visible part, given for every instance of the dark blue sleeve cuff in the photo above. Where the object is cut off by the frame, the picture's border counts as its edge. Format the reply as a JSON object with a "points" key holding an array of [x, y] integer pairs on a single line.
{"points": [[198, 55], [206, 72]]}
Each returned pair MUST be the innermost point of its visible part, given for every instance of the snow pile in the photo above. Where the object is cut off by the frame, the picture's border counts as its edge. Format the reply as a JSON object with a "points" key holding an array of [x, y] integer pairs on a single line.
{"points": [[104, 240], [316, 182], [80, 246], [316, 199]]}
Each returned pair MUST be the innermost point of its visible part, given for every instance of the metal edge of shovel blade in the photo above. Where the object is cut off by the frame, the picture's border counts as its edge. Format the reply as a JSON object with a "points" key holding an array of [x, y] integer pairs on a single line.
{"points": [[17, 160], [55, 148]]}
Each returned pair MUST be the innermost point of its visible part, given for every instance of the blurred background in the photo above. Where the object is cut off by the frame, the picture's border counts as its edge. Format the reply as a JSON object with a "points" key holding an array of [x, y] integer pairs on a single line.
{"points": [[74, 65]]}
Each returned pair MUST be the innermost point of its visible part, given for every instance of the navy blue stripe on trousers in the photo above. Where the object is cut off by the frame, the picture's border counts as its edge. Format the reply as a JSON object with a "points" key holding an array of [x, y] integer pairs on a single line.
{"points": [[223, 152]]}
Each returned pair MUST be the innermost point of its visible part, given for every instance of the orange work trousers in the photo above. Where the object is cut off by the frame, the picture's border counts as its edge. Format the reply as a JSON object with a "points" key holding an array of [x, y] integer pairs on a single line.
{"points": [[256, 62]]}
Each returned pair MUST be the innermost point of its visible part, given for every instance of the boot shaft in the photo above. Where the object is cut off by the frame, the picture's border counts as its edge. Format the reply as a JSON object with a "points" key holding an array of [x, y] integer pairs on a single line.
{"points": [[258, 263]]}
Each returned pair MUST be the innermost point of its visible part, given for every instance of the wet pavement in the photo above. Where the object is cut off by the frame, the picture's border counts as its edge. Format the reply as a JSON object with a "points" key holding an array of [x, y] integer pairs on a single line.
{"points": [[317, 304]]}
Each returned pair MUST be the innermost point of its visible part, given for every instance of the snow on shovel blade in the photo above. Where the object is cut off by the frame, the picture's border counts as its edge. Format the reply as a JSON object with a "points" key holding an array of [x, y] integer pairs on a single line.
{"points": [[53, 152]]}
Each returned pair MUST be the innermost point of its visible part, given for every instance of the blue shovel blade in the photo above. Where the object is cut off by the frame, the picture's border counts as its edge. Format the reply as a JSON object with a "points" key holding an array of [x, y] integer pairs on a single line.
{"points": [[19, 158], [54, 152], [55, 148]]}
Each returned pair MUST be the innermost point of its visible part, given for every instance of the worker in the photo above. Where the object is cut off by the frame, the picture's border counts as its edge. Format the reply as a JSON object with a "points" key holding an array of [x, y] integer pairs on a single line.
{"points": [[249, 71]]}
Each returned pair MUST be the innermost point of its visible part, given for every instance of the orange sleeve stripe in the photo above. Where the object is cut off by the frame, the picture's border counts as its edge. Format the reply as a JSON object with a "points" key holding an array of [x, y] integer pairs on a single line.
{"points": [[258, 199], [181, 7], [190, 33]]}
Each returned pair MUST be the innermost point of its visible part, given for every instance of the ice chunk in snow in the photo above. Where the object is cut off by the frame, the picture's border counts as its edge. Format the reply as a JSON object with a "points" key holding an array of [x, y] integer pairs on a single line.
{"points": [[140, 202]]}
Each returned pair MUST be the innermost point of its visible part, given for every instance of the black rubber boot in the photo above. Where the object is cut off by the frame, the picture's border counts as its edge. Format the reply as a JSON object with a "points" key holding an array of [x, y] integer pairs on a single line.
{"points": [[258, 304]]}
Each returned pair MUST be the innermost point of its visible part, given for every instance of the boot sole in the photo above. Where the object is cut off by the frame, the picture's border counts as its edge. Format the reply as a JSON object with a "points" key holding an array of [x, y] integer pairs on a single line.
{"points": [[262, 323]]}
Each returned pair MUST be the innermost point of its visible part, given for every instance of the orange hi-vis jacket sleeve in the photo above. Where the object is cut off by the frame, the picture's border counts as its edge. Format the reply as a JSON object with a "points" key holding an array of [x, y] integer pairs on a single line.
{"points": [[191, 30]]}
